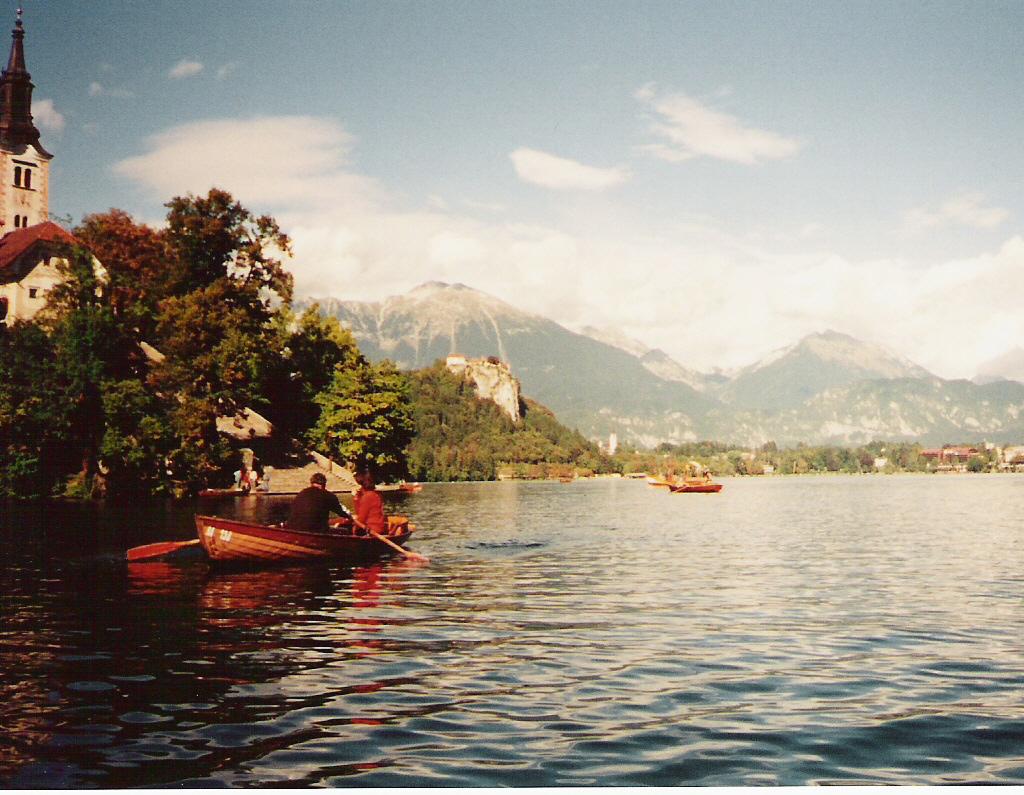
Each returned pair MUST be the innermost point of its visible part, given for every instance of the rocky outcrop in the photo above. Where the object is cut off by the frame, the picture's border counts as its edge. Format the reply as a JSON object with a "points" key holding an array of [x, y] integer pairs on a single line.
{"points": [[493, 381]]}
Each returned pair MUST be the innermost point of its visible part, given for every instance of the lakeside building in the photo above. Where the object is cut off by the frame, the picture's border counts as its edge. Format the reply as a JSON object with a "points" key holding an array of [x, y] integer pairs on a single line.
{"points": [[32, 247], [952, 455]]}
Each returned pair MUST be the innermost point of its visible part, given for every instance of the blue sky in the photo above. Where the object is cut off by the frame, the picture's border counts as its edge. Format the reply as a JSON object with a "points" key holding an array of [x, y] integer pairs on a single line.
{"points": [[715, 179]]}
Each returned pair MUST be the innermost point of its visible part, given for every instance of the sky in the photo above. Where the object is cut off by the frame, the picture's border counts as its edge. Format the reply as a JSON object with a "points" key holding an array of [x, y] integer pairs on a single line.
{"points": [[715, 179]]}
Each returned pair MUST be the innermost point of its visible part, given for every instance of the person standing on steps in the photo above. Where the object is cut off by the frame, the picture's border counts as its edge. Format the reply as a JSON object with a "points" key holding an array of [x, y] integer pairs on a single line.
{"points": [[312, 507]]}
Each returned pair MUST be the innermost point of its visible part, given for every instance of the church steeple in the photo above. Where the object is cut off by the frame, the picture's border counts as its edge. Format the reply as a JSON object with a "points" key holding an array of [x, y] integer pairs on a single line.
{"points": [[16, 127]]}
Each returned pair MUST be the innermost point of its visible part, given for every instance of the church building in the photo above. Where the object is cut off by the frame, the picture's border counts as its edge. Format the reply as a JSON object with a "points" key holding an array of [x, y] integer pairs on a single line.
{"points": [[30, 243]]}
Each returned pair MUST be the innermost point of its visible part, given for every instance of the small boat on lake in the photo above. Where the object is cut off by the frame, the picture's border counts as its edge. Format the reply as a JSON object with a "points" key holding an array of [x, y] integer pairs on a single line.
{"points": [[228, 540], [658, 482], [696, 487]]}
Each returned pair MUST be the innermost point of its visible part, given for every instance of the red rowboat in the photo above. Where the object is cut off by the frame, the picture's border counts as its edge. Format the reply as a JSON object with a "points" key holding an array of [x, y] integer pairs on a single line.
{"points": [[231, 540], [696, 488]]}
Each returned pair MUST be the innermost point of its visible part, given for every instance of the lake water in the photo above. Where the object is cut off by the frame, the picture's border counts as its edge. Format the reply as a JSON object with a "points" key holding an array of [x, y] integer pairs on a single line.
{"points": [[785, 631]]}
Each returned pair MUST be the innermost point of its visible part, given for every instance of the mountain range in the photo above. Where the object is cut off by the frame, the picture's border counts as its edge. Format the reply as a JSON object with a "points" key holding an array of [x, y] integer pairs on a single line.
{"points": [[828, 388]]}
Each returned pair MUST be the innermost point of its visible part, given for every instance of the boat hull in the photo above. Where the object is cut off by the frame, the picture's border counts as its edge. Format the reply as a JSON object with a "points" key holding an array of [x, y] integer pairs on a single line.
{"points": [[703, 488], [230, 541]]}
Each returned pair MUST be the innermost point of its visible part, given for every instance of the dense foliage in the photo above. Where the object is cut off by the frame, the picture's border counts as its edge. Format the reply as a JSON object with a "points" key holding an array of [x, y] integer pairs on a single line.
{"points": [[121, 380], [460, 437]]}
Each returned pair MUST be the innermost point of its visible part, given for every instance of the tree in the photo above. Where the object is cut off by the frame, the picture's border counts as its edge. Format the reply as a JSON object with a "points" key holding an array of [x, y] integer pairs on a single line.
{"points": [[137, 260], [214, 237], [365, 417], [137, 440], [311, 346], [91, 350], [35, 418], [977, 464], [216, 357]]}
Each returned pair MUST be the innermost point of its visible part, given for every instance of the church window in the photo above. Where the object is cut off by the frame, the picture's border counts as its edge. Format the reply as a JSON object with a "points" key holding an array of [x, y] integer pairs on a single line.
{"points": [[28, 178], [3, 310], [17, 176], [33, 292], [17, 222]]}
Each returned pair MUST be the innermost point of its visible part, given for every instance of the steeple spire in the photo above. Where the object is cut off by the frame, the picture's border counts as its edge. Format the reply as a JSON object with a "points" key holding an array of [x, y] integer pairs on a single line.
{"points": [[16, 127]]}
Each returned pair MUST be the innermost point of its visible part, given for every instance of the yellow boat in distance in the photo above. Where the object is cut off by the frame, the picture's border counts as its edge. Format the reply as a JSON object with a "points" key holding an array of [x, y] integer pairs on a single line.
{"points": [[658, 482]]}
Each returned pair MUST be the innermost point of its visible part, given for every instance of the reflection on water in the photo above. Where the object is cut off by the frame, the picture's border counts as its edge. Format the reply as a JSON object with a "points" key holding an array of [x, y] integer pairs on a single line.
{"points": [[785, 631]]}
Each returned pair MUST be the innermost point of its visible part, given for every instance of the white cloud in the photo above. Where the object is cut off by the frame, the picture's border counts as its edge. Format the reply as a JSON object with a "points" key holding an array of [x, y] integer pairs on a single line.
{"points": [[689, 129], [705, 296], [965, 209], [97, 89], [288, 161], [185, 68], [560, 173], [47, 115]]}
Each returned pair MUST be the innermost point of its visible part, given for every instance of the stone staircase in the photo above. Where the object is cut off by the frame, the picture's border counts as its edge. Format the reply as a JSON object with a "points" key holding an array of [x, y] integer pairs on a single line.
{"points": [[294, 477]]}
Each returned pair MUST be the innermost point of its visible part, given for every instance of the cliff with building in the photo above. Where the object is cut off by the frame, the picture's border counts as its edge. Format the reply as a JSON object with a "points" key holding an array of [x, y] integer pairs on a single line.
{"points": [[493, 381]]}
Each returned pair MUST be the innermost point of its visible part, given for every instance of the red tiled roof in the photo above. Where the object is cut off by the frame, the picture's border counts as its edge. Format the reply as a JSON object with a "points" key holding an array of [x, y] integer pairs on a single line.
{"points": [[17, 242]]}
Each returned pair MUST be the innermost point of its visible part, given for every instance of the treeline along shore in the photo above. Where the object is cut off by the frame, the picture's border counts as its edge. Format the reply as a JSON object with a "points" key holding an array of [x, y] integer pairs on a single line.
{"points": [[769, 459], [152, 335]]}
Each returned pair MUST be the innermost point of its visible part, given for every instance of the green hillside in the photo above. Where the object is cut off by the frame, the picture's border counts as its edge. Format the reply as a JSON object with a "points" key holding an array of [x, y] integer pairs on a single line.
{"points": [[461, 437]]}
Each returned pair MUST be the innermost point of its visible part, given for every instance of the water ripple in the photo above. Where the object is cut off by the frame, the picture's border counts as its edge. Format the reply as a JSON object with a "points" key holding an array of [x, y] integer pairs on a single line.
{"points": [[784, 632]]}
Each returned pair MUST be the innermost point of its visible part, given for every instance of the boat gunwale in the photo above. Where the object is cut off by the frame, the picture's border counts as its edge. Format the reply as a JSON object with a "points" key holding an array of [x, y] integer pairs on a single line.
{"points": [[297, 545]]}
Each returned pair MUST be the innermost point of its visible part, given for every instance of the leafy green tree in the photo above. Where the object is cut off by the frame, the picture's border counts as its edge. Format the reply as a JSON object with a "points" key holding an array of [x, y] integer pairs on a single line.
{"points": [[137, 439], [91, 349], [216, 355], [213, 237], [311, 346], [365, 417], [35, 415], [977, 464]]}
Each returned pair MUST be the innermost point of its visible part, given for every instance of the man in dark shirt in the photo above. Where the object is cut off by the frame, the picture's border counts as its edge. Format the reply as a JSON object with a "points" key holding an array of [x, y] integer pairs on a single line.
{"points": [[313, 506]]}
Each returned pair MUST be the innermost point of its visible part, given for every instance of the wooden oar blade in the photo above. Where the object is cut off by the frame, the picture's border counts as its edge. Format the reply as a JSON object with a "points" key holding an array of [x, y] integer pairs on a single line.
{"points": [[158, 550], [396, 547]]}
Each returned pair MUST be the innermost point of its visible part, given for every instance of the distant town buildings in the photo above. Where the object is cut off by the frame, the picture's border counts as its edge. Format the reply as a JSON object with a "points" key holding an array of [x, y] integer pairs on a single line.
{"points": [[950, 455]]}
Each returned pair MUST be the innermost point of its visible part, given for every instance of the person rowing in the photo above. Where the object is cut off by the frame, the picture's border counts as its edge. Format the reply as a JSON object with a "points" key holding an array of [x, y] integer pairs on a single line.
{"points": [[312, 507]]}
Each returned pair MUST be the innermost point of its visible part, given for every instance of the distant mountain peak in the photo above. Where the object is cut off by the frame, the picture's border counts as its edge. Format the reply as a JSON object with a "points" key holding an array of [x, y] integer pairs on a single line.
{"points": [[837, 347], [1008, 366], [434, 287], [827, 359]]}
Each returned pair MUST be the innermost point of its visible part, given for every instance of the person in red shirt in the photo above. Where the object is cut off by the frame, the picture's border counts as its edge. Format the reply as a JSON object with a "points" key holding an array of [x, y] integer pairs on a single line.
{"points": [[369, 506]]}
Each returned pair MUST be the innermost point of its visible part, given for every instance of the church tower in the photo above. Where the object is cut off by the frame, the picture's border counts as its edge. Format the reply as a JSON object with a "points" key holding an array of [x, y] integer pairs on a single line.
{"points": [[24, 164]]}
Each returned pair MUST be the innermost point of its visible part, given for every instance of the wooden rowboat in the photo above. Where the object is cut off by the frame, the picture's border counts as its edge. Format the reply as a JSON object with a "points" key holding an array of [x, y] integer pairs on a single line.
{"points": [[228, 540], [696, 488]]}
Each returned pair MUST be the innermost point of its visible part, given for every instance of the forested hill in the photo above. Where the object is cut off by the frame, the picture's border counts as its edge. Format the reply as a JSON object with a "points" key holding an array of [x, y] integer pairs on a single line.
{"points": [[458, 436]]}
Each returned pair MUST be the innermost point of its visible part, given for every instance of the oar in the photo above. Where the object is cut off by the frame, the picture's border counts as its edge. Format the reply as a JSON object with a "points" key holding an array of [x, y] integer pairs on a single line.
{"points": [[158, 549], [393, 545]]}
